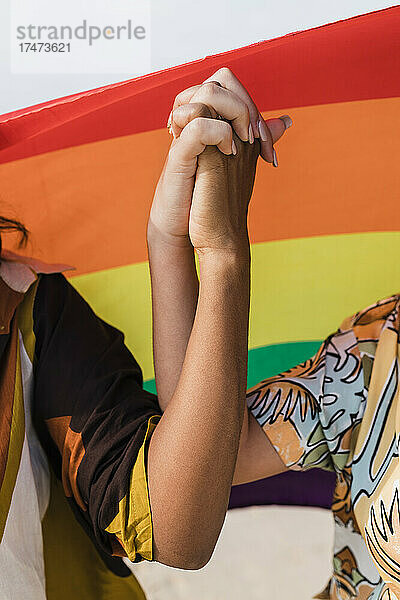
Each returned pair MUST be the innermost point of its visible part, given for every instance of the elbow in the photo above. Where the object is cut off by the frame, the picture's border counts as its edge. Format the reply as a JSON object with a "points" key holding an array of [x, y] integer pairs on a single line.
{"points": [[189, 559], [193, 561]]}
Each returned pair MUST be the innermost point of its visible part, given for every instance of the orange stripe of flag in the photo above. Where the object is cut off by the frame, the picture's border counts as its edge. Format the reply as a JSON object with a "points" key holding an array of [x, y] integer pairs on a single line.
{"points": [[88, 205]]}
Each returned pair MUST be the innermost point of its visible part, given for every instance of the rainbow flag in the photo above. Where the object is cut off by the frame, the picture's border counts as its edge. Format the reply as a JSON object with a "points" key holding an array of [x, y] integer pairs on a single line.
{"points": [[80, 172]]}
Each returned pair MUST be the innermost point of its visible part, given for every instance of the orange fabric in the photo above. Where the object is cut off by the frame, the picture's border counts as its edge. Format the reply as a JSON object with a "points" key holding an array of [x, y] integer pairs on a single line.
{"points": [[94, 210], [71, 447]]}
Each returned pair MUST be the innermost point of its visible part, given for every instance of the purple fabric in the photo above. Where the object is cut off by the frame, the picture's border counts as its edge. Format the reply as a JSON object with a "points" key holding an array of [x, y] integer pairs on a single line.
{"points": [[299, 488]]}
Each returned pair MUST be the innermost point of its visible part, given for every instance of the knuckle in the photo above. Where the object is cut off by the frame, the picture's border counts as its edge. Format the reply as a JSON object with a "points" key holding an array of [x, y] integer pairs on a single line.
{"points": [[202, 110], [197, 126], [182, 113], [225, 73], [209, 89], [226, 128], [178, 98], [244, 110], [184, 95], [175, 112]]}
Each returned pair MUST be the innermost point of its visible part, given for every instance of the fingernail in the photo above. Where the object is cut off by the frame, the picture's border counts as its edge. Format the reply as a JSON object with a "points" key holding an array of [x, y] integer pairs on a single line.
{"points": [[255, 131], [275, 161], [287, 121], [234, 149], [169, 120], [262, 129], [251, 134]]}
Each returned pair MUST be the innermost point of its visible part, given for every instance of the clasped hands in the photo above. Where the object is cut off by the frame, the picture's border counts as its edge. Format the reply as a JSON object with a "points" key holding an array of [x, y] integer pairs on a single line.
{"points": [[203, 194]]}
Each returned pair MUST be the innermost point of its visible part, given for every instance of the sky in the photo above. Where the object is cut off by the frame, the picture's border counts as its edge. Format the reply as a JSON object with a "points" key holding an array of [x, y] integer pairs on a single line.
{"points": [[178, 31]]}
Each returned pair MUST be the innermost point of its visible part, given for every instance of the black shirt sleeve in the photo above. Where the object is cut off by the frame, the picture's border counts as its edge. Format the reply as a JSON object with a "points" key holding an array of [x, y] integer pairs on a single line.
{"points": [[91, 411]]}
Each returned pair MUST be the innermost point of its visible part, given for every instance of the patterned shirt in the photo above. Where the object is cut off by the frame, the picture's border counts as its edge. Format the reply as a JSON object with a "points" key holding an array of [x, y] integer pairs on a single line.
{"points": [[340, 411]]}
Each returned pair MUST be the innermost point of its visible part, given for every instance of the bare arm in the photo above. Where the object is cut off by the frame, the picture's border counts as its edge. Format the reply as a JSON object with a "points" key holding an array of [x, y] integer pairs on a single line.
{"points": [[175, 289], [174, 278], [175, 292], [192, 452]]}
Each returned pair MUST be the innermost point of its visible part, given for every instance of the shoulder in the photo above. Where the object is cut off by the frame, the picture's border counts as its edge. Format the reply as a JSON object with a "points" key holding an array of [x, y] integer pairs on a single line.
{"points": [[68, 331], [369, 322], [61, 313], [56, 298], [53, 290]]}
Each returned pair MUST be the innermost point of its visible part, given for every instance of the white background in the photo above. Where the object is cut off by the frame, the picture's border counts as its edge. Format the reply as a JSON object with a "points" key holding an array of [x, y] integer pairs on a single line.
{"points": [[181, 30], [93, 54]]}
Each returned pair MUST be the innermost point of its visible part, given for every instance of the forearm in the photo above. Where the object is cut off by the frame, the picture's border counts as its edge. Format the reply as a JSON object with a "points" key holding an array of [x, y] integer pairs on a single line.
{"points": [[193, 450], [175, 292], [175, 288], [257, 458]]}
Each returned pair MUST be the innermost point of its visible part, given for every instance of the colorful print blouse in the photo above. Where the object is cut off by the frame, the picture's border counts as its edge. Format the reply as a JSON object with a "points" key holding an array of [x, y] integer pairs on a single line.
{"points": [[340, 410]]}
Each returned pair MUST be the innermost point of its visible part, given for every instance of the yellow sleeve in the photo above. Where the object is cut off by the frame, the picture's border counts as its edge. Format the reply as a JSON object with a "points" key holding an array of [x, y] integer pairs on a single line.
{"points": [[133, 524]]}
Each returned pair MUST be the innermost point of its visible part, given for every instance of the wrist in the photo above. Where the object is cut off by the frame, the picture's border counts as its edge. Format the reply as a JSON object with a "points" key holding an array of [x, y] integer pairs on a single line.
{"points": [[228, 260], [238, 253], [157, 236]]}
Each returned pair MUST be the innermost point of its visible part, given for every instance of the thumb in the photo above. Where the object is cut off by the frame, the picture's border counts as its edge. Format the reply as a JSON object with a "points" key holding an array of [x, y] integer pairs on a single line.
{"points": [[278, 126], [271, 131]]}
